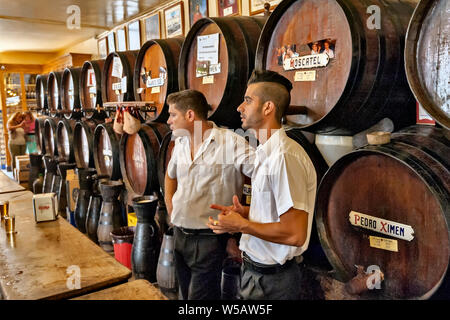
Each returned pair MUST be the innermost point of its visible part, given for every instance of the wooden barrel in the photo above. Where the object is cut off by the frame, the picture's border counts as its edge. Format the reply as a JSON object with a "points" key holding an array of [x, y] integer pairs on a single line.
{"points": [[54, 92], [164, 156], [83, 142], [64, 138], [91, 88], [427, 58], [70, 97], [41, 92], [351, 87], [39, 128], [50, 137], [106, 151], [156, 74], [117, 67], [388, 206], [223, 86], [138, 153]]}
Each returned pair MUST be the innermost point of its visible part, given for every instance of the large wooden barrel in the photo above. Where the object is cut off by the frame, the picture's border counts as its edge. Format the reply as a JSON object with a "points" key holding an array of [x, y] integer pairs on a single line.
{"points": [[138, 154], [54, 92], [83, 142], [224, 90], [117, 67], [64, 138], [164, 156], [70, 97], [388, 206], [156, 74], [91, 88], [427, 57], [106, 151], [41, 92], [50, 141], [39, 129], [360, 81]]}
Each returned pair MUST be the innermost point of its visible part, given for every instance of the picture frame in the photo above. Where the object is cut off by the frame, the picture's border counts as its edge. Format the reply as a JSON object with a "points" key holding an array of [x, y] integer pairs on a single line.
{"points": [[121, 39], [134, 35], [102, 47], [227, 8], [257, 6], [174, 20], [111, 42], [198, 9], [152, 27]]}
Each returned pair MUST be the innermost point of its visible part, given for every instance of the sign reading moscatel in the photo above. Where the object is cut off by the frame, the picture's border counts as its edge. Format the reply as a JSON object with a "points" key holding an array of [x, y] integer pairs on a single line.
{"points": [[390, 228]]}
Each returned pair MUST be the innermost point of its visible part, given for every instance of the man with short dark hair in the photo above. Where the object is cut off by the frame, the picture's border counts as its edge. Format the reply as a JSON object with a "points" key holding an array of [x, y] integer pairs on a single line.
{"points": [[276, 227], [206, 167]]}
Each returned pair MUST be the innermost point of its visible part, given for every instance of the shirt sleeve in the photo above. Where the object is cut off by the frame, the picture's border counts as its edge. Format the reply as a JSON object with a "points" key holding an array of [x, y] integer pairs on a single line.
{"points": [[289, 179], [172, 165]]}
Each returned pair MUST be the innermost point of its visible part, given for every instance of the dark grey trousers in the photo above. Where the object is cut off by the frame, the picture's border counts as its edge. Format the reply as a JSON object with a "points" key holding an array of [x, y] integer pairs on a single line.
{"points": [[283, 285], [198, 264]]}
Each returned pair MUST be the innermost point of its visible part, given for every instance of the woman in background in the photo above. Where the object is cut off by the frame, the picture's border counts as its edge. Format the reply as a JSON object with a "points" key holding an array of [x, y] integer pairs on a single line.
{"points": [[29, 131], [16, 142]]}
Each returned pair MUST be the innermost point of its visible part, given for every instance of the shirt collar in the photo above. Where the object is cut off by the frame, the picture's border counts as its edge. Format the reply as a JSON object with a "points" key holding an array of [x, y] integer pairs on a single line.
{"points": [[273, 142]]}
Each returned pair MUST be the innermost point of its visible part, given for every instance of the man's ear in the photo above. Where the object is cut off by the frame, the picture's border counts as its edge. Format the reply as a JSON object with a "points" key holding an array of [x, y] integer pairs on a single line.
{"points": [[268, 107], [190, 115]]}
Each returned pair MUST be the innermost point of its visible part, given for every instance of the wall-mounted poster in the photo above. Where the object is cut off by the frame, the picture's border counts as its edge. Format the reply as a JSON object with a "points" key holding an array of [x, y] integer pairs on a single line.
{"points": [[197, 9], [121, 40], [134, 36], [111, 42], [257, 6], [174, 20], [228, 8], [102, 48], [152, 27]]}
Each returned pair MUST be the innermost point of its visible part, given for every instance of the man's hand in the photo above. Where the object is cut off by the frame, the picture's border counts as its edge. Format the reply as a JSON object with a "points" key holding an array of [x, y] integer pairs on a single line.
{"points": [[228, 221], [236, 206]]}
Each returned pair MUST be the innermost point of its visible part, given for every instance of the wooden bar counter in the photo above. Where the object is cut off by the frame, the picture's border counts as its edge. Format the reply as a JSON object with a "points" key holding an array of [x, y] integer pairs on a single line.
{"points": [[40, 261], [133, 290], [8, 185]]}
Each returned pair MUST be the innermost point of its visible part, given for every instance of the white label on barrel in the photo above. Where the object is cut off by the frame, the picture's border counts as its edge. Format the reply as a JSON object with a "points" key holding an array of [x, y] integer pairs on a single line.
{"points": [[156, 90], [306, 62], [116, 86], [208, 80], [93, 90], [155, 82], [228, 11], [117, 68], [124, 84], [214, 68], [107, 152], [208, 48], [383, 243], [390, 228], [91, 78], [305, 75]]}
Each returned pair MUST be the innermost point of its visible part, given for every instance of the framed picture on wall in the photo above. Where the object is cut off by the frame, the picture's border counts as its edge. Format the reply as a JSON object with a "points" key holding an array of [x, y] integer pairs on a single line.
{"points": [[197, 9], [134, 35], [111, 42], [102, 48], [121, 39], [257, 6], [152, 27], [227, 8], [174, 20]]}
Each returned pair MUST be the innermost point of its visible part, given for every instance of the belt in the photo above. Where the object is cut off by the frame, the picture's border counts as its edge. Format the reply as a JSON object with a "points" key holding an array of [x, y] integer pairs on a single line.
{"points": [[265, 268], [197, 232]]}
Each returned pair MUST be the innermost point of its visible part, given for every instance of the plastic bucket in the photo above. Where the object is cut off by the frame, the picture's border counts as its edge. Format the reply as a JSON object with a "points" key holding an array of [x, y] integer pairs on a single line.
{"points": [[122, 240]]}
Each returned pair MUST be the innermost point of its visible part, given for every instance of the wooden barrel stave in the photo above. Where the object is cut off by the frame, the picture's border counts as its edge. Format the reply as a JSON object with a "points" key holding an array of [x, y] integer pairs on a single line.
{"points": [[39, 132], [106, 151], [54, 92], [64, 138], [90, 95], [41, 91], [83, 135], [49, 136], [70, 97], [400, 182]]}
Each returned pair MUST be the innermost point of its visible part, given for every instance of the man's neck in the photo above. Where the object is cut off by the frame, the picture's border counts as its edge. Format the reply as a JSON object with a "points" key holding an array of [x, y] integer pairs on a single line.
{"points": [[200, 132], [265, 131]]}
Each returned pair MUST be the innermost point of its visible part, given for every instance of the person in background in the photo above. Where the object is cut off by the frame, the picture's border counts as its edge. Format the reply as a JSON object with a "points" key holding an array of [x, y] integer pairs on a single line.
{"points": [[29, 131], [276, 228], [206, 166], [328, 50], [16, 142]]}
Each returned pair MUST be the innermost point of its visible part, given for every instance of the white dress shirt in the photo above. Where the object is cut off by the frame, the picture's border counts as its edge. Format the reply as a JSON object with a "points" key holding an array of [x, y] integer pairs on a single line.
{"points": [[214, 176], [284, 177]]}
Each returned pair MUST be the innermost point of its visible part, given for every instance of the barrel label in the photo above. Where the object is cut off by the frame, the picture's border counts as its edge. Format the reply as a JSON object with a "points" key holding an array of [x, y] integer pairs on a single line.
{"points": [[117, 68], [208, 80], [107, 152], [116, 86], [155, 90], [383, 226], [124, 84], [156, 82], [305, 75], [306, 62], [383, 243], [208, 48], [93, 90], [91, 78]]}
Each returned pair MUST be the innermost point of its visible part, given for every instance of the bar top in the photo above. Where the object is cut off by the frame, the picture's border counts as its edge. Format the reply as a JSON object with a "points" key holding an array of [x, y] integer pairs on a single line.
{"points": [[43, 260], [9, 185]]}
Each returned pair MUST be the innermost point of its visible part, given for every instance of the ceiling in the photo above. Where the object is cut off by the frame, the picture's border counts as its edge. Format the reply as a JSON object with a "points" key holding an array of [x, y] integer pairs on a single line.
{"points": [[41, 25]]}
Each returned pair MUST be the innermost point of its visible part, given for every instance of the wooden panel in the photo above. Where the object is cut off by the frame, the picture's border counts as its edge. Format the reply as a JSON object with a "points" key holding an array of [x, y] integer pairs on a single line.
{"points": [[8, 185], [133, 290], [136, 163], [34, 262]]}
